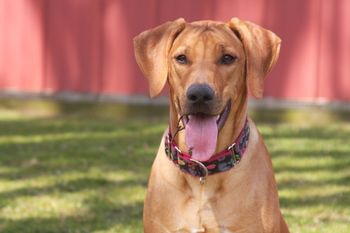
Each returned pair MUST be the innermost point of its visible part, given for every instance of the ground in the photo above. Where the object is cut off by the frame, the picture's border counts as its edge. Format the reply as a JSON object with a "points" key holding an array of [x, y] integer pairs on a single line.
{"points": [[82, 167]]}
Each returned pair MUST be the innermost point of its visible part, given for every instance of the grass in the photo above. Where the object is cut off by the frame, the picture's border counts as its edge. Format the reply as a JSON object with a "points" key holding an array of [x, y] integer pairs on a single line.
{"points": [[84, 167]]}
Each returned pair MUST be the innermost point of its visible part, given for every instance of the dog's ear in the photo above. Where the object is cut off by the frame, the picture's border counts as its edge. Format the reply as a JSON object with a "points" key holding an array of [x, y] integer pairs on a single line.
{"points": [[151, 49], [261, 47]]}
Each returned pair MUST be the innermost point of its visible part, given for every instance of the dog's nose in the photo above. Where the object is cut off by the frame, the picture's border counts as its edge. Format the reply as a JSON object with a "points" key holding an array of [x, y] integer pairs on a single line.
{"points": [[199, 94]]}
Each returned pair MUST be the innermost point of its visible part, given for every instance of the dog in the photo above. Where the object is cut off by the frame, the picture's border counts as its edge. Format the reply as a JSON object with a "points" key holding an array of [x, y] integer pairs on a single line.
{"points": [[212, 172]]}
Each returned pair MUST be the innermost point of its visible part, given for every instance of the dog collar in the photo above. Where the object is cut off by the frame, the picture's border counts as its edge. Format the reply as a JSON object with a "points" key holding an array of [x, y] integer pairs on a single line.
{"points": [[219, 162]]}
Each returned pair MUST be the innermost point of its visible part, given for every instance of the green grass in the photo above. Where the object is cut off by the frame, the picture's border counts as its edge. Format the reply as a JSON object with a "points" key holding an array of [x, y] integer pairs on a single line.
{"points": [[84, 167]]}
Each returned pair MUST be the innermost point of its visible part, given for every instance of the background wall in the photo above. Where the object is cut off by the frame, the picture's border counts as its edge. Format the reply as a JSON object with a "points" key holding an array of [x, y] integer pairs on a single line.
{"points": [[85, 46]]}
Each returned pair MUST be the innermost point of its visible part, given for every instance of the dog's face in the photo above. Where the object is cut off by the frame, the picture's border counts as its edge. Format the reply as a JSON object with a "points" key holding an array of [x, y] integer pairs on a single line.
{"points": [[206, 70], [209, 67]]}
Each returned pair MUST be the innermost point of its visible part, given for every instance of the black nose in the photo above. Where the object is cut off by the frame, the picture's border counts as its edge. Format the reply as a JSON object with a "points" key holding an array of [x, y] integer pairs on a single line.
{"points": [[199, 94]]}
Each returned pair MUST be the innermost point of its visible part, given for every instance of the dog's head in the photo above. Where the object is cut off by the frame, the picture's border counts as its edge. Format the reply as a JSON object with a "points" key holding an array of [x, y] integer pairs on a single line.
{"points": [[209, 67]]}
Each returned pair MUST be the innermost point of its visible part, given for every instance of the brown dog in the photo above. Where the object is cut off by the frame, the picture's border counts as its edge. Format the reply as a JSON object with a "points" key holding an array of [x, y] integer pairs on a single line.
{"points": [[212, 172]]}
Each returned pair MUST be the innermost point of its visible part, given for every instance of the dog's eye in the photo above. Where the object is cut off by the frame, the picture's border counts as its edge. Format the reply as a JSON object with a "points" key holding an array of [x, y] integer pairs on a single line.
{"points": [[181, 59], [227, 59]]}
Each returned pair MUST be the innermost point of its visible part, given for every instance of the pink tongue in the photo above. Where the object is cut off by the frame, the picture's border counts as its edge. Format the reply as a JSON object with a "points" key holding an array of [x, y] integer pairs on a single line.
{"points": [[200, 136]]}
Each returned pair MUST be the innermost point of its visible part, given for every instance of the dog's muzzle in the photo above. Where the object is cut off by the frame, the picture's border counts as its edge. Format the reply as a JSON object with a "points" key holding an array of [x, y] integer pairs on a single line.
{"points": [[200, 99]]}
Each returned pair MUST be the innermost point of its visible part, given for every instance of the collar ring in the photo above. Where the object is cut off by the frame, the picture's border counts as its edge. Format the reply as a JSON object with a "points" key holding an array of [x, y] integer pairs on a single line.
{"points": [[204, 168]]}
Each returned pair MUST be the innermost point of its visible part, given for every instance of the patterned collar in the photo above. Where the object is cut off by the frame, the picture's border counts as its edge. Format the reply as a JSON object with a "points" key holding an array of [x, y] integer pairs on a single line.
{"points": [[219, 162]]}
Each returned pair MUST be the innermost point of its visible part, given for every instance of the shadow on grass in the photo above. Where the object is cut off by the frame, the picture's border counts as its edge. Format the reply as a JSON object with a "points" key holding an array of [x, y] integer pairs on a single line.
{"points": [[315, 132], [93, 220], [44, 149], [58, 146], [72, 186], [310, 115], [338, 178], [325, 151], [332, 200], [60, 125], [292, 183]]}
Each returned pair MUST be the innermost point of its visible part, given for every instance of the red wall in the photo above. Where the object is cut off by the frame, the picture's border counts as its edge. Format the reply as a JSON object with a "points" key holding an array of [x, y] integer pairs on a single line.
{"points": [[85, 46]]}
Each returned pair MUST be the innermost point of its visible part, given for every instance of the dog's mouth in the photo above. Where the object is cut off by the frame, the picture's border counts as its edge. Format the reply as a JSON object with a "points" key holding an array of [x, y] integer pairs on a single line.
{"points": [[201, 132], [219, 119]]}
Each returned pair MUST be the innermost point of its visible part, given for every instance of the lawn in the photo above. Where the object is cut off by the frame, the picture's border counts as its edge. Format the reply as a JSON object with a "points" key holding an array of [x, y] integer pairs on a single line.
{"points": [[67, 167]]}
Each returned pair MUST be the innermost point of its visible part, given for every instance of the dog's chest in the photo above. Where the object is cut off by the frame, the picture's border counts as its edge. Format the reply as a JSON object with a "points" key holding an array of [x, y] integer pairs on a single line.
{"points": [[208, 212]]}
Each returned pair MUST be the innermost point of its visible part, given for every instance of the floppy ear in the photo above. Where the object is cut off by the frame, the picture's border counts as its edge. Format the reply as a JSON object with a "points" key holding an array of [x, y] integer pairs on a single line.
{"points": [[261, 48], [151, 49]]}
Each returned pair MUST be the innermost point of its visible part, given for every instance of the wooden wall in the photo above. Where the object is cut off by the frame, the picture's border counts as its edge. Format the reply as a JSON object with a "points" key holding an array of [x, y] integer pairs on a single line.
{"points": [[85, 46]]}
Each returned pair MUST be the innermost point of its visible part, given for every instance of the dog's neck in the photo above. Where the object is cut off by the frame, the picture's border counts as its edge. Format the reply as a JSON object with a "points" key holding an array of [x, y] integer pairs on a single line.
{"points": [[230, 131]]}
